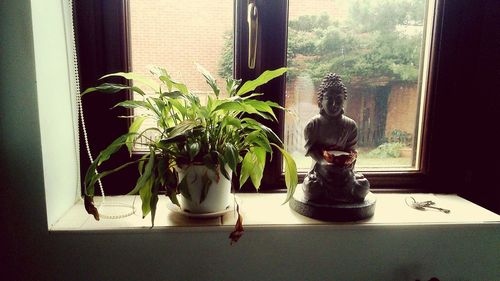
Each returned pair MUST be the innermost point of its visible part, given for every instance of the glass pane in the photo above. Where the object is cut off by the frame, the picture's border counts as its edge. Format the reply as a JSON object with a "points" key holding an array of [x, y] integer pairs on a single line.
{"points": [[378, 48], [176, 35]]}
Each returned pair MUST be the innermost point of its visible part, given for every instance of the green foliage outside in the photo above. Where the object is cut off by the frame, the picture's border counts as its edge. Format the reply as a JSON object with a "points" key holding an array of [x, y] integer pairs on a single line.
{"points": [[401, 137], [226, 60], [386, 150], [378, 44]]}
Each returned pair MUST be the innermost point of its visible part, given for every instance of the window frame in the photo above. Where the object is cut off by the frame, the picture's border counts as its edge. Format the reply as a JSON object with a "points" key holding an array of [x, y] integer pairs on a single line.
{"points": [[103, 35]]}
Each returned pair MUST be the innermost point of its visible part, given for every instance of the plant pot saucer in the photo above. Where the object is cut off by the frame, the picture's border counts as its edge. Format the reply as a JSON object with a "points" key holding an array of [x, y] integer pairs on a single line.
{"points": [[176, 209]]}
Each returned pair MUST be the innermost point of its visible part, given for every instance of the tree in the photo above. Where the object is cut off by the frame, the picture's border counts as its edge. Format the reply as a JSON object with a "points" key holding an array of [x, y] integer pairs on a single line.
{"points": [[226, 60], [378, 44]]}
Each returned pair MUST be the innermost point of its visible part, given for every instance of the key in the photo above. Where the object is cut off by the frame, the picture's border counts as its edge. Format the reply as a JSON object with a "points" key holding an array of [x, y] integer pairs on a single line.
{"points": [[437, 208], [410, 201]]}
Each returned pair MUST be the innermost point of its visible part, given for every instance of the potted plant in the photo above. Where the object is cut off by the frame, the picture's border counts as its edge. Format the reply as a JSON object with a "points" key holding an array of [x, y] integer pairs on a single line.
{"points": [[193, 148]]}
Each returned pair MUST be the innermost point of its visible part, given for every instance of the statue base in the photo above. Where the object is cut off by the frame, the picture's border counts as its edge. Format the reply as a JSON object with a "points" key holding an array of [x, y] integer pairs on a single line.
{"points": [[340, 212]]}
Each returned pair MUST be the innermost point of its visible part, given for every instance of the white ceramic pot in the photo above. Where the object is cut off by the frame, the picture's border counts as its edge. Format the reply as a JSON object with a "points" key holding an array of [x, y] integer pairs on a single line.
{"points": [[218, 195]]}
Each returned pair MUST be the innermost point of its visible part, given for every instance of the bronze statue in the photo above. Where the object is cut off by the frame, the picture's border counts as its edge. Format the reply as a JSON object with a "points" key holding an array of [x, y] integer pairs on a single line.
{"points": [[332, 188]]}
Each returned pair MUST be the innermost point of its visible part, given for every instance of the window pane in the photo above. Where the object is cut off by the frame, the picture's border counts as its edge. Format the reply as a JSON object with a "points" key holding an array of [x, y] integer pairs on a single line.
{"points": [[378, 49], [178, 34]]}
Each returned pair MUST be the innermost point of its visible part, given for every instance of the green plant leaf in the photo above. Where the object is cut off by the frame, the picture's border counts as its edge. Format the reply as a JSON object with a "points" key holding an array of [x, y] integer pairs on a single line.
{"points": [[231, 121], [154, 200], [106, 88], [210, 103], [146, 194], [210, 79], [252, 123], [163, 144], [257, 172], [179, 106], [134, 76], [171, 179], [238, 107], [172, 95], [113, 88], [246, 167], [291, 178], [256, 138], [146, 175], [231, 86], [163, 75], [161, 170], [181, 87], [228, 106], [160, 104], [138, 90], [140, 167], [134, 127], [171, 185], [251, 96], [252, 110], [231, 155], [275, 105], [182, 127], [183, 187], [194, 149], [91, 177], [211, 160], [253, 166], [172, 195], [112, 148], [222, 168], [261, 106], [132, 104], [265, 77]]}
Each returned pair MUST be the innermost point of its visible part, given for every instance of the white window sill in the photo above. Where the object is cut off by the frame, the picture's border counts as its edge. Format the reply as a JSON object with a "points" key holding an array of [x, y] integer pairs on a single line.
{"points": [[266, 210]]}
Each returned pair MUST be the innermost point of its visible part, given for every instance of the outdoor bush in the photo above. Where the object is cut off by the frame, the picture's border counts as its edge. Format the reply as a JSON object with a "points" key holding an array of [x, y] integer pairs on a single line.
{"points": [[386, 150], [401, 137]]}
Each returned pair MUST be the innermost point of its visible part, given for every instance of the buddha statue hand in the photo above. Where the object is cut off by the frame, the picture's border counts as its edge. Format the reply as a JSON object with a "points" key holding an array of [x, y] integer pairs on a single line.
{"points": [[340, 158]]}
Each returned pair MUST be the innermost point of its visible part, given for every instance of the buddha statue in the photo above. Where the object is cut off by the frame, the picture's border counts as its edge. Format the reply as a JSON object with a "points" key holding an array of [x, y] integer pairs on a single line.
{"points": [[330, 140]]}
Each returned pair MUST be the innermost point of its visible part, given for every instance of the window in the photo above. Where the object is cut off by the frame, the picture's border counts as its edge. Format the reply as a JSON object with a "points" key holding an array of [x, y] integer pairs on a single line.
{"points": [[379, 49], [107, 41]]}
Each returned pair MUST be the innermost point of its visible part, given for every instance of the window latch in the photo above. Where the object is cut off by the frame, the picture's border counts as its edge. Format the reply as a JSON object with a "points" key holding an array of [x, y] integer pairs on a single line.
{"points": [[253, 30]]}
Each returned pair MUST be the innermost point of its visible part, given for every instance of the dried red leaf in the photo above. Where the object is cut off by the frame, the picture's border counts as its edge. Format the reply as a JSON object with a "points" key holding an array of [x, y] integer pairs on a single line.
{"points": [[89, 206], [238, 227]]}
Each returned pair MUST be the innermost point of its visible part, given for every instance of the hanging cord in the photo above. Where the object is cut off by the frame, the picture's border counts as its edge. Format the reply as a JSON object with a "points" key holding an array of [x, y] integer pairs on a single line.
{"points": [[79, 108]]}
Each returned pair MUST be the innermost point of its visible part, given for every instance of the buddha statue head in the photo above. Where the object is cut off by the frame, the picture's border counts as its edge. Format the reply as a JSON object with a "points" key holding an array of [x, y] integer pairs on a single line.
{"points": [[331, 96]]}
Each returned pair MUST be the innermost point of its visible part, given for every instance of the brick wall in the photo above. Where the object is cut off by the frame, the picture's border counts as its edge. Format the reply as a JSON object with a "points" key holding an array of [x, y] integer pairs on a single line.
{"points": [[177, 34], [402, 109]]}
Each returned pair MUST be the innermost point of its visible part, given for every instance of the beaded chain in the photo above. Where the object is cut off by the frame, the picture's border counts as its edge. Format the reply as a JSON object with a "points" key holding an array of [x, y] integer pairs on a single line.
{"points": [[84, 130]]}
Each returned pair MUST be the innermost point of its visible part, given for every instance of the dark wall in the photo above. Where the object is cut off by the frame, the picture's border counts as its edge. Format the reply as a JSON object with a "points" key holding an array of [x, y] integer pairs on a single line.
{"points": [[21, 169]]}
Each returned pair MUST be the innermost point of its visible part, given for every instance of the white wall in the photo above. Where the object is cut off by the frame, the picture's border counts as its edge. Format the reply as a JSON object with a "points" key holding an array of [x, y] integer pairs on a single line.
{"points": [[55, 105], [30, 252]]}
